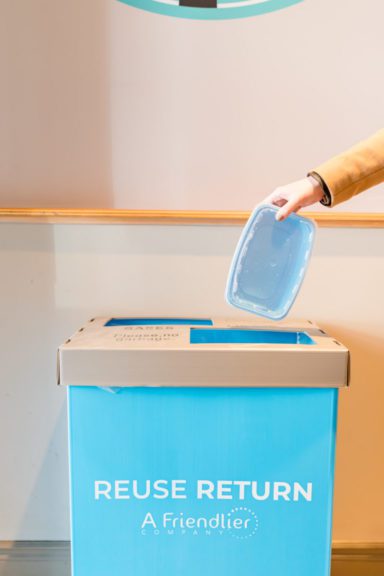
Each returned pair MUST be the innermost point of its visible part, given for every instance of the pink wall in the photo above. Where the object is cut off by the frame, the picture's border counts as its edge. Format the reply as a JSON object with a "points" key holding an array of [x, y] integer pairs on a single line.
{"points": [[104, 105]]}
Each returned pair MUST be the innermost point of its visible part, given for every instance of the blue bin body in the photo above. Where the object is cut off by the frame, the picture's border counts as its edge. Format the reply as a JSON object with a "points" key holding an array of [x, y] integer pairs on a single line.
{"points": [[185, 481]]}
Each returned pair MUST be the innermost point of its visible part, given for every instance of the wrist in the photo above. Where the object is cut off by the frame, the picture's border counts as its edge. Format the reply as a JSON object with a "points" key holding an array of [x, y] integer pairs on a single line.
{"points": [[317, 189]]}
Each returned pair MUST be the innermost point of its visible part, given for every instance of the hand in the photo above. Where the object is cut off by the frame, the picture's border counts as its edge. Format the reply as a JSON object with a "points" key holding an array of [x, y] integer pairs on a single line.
{"points": [[292, 197]]}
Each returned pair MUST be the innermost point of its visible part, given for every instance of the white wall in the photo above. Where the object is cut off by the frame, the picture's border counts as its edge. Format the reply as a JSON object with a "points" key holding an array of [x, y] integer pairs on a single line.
{"points": [[105, 105], [55, 277]]}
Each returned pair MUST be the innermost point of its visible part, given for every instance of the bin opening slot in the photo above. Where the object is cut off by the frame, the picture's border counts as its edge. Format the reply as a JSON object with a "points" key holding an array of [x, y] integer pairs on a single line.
{"points": [[158, 322], [247, 336]]}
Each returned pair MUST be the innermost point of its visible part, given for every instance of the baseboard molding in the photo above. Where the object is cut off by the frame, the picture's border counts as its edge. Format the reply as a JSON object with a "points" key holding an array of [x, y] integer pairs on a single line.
{"points": [[53, 557], [358, 551], [34, 550]]}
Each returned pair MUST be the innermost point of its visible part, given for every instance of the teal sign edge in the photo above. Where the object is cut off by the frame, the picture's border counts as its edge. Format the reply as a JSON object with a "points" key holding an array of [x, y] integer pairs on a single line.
{"points": [[161, 7]]}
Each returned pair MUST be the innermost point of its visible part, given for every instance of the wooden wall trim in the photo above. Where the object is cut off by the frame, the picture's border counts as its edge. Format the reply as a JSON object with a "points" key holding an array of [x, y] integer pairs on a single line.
{"points": [[189, 217]]}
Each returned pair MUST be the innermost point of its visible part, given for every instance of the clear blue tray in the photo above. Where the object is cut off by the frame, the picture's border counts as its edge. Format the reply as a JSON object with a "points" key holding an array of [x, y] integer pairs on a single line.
{"points": [[270, 262]]}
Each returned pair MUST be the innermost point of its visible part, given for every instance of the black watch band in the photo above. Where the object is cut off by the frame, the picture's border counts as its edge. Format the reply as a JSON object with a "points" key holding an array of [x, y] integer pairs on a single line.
{"points": [[327, 198]]}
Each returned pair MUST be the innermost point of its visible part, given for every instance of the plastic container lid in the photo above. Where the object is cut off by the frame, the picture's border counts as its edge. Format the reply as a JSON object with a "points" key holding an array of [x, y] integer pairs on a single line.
{"points": [[270, 262]]}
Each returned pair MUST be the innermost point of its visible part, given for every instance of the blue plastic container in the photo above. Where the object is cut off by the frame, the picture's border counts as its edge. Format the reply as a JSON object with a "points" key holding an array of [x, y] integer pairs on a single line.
{"points": [[186, 459], [270, 262]]}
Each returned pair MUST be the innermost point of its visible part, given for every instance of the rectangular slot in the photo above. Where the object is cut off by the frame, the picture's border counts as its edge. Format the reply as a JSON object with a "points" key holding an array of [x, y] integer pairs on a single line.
{"points": [[159, 322], [241, 336]]}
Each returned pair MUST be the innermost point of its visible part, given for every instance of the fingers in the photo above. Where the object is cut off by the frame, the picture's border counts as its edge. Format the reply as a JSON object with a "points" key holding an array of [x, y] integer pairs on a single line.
{"points": [[292, 197], [293, 205]]}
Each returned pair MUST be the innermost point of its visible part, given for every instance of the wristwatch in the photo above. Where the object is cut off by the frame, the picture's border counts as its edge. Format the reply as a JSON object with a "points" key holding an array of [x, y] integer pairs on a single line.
{"points": [[327, 198]]}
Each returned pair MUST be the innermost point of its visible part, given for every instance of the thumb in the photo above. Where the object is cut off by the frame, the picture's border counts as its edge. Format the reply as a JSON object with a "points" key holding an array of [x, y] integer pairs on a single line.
{"points": [[291, 206]]}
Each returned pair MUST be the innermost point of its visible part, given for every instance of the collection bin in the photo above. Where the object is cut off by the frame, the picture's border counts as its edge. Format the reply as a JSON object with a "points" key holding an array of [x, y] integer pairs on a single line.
{"points": [[201, 446]]}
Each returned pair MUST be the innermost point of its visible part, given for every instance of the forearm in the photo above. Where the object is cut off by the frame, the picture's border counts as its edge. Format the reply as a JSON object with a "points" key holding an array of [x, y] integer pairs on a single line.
{"points": [[357, 169]]}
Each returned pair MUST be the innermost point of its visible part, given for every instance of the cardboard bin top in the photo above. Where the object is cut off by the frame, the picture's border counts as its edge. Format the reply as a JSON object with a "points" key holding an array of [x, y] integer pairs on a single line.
{"points": [[202, 352]]}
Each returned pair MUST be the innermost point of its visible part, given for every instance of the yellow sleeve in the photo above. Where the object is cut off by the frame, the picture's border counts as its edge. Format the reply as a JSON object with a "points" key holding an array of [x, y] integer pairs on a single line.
{"points": [[357, 169]]}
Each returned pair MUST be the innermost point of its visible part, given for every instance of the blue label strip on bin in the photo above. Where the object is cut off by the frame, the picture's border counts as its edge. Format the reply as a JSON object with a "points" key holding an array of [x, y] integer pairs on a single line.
{"points": [[158, 322], [236, 336]]}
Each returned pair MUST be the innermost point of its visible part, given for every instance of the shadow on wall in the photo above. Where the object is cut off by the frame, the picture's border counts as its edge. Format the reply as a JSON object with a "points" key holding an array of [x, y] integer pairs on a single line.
{"points": [[34, 495], [359, 463], [43, 556], [55, 136], [47, 506]]}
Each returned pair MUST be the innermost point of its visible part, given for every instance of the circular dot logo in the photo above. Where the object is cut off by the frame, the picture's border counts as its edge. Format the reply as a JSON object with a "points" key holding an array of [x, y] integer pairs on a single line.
{"points": [[244, 523], [211, 9]]}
